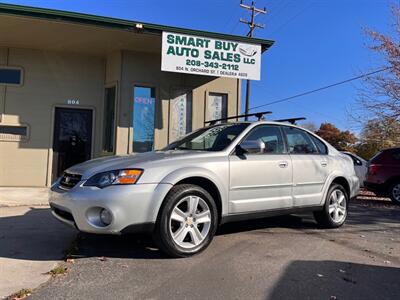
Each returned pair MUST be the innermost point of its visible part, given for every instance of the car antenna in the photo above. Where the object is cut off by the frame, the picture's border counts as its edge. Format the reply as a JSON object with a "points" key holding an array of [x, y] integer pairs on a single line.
{"points": [[291, 120], [258, 115]]}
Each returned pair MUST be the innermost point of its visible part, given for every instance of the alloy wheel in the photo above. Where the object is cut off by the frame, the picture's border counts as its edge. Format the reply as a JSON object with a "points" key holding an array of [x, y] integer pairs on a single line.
{"points": [[396, 192], [337, 206], [190, 222]]}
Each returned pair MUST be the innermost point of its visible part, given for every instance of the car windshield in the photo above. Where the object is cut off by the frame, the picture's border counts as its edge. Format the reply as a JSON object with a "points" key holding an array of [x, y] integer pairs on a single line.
{"points": [[213, 138]]}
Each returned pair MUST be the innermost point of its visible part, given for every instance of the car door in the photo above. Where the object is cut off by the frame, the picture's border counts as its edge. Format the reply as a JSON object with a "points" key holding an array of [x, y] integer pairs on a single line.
{"points": [[261, 181], [310, 166]]}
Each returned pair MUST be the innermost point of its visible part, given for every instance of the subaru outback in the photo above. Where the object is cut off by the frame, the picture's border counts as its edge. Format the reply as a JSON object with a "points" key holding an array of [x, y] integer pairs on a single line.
{"points": [[218, 174]]}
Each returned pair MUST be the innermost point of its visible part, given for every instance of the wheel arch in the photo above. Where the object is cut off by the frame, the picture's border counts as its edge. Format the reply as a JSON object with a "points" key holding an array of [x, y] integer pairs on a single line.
{"points": [[391, 181], [343, 182], [209, 186], [203, 178], [337, 178]]}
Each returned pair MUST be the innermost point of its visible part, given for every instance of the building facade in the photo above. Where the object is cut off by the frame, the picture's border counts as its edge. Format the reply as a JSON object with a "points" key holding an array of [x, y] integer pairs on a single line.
{"points": [[75, 87]]}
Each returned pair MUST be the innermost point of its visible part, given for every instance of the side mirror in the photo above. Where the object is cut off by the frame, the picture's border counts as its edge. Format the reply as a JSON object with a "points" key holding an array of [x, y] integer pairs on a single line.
{"points": [[252, 147]]}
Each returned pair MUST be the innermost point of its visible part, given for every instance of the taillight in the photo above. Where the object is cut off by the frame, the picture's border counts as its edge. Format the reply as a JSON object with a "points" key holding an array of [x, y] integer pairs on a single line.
{"points": [[373, 169]]}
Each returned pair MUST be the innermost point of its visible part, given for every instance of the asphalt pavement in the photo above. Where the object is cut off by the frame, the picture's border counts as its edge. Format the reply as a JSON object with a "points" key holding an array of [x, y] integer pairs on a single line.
{"points": [[277, 258], [32, 242]]}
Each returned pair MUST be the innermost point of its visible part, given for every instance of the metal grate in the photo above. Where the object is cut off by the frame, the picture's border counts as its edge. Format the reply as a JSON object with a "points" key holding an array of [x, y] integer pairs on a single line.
{"points": [[68, 181]]}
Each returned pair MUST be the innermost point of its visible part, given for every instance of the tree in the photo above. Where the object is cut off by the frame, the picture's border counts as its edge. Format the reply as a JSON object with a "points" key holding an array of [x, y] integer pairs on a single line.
{"points": [[341, 140], [378, 135], [310, 126], [381, 95]]}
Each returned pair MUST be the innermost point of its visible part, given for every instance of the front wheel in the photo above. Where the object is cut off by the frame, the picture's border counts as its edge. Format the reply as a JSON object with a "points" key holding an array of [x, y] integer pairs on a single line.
{"points": [[334, 212], [394, 192], [187, 221]]}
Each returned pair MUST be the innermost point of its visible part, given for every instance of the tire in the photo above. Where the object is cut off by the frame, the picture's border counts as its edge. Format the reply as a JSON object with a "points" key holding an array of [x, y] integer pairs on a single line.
{"points": [[187, 221], [394, 192], [334, 212]]}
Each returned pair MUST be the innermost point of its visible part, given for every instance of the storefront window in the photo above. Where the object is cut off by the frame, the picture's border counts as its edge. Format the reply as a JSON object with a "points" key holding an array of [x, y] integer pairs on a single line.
{"points": [[12, 76], [144, 104], [217, 106], [180, 115], [109, 120]]}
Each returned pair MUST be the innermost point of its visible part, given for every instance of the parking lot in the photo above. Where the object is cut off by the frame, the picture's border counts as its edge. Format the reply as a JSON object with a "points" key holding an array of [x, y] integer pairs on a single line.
{"points": [[276, 258]]}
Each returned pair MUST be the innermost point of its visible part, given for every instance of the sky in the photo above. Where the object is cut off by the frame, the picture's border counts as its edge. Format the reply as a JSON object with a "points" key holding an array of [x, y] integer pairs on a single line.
{"points": [[317, 43]]}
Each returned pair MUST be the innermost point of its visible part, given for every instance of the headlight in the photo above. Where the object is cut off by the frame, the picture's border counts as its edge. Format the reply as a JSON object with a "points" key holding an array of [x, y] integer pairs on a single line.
{"points": [[108, 178]]}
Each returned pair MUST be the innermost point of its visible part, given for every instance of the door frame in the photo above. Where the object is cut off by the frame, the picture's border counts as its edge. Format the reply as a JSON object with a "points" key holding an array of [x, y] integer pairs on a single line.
{"points": [[158, 111], [50, 148], [116, 117], [285, 152]]}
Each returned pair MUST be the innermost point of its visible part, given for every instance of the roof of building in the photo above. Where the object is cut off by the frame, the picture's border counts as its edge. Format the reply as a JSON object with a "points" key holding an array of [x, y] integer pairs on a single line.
{"points": [[108, 22]]}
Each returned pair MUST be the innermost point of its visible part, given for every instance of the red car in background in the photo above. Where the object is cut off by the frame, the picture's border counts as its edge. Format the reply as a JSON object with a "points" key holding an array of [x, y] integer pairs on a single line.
{"points": [[383, 177]]}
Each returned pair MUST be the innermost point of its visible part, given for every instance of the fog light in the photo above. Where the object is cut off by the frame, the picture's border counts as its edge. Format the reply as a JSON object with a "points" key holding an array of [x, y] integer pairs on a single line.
{"points": [[105, 217]]}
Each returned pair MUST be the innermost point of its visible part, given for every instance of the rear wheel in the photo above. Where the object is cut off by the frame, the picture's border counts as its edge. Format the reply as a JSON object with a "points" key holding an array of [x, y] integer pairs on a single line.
{"points": [[334, 213], [187, 221], [394, 192]]}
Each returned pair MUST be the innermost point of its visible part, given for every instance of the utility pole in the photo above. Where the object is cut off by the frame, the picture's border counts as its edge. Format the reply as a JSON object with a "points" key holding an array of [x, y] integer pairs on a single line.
{"points": [[254, 12]]}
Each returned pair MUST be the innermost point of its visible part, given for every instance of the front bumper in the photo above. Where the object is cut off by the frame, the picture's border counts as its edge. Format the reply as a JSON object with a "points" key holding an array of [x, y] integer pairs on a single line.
{"points": [[133, 207]]}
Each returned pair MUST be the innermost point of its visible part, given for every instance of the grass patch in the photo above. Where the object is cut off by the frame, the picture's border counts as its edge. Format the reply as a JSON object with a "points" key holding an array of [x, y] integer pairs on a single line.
{"points": [[60, 270], [20, 294]]}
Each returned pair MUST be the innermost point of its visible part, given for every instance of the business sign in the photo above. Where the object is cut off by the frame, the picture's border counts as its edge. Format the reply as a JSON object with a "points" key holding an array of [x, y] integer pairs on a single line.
{"points": [[212, 57], [179, 122]]}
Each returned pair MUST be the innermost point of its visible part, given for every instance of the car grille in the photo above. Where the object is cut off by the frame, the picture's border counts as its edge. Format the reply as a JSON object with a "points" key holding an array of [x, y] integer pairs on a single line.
{"points": [[68, 181]]}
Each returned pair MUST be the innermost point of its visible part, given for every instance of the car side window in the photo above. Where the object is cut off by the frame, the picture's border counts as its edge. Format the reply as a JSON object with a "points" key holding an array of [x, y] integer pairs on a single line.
{"points": [[396, 155], [271, 136], [320, 145], [299, 142]]}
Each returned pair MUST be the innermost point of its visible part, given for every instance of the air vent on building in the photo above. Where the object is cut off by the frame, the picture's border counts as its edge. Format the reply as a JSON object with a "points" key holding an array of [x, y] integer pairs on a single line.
{"points": [[14, 132]]}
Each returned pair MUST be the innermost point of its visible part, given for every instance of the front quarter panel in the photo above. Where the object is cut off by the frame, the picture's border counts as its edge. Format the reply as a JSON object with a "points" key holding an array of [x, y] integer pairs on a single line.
{"points": [[218, 173]]}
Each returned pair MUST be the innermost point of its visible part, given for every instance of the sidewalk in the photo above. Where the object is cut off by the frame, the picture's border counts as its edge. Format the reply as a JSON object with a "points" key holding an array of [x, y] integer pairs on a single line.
{"points": [[17, 196], [32, 242]]}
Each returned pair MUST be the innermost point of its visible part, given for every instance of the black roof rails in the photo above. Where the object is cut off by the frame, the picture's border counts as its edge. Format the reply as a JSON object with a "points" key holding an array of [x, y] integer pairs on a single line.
{"points": [[258, 115], [291, 120]]}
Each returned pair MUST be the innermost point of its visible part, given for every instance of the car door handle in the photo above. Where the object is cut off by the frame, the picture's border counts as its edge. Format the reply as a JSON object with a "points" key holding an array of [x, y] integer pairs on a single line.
{"points": [[283, 164], [324, 163]]}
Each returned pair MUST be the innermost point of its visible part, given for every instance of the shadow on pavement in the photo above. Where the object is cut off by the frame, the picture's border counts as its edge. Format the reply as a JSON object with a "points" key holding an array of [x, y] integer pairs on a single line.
{"points": [[337, 280], [37, 235], [143, 247], [34, 235], [367, 213]]}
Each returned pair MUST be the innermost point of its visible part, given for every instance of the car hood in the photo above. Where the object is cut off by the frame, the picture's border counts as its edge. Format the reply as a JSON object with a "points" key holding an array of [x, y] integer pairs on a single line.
{"points": [[139, 160]]}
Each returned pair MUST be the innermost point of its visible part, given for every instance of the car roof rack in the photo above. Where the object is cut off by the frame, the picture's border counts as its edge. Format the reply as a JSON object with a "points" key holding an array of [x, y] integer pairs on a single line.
{"points": [[258, 115], [291, 120]]}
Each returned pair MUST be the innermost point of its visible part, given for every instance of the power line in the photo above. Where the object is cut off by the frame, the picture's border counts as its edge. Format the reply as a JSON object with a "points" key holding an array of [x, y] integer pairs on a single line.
{"points": [[292, 18], [321, 88], [254, 12]]}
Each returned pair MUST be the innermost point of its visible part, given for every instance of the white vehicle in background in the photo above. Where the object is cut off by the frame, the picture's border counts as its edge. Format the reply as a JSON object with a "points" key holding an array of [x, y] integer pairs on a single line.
{"points": [[360, 166]]}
